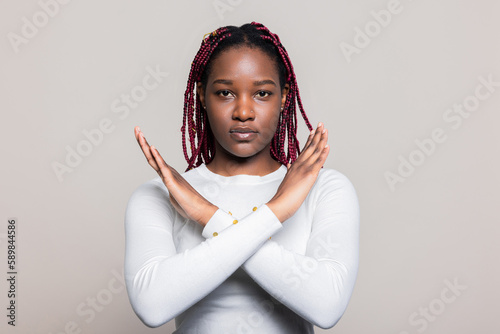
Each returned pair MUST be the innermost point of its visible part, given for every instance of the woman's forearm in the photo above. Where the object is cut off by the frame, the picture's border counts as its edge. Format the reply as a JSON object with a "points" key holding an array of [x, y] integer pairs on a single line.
{"points": [[163, 283]]}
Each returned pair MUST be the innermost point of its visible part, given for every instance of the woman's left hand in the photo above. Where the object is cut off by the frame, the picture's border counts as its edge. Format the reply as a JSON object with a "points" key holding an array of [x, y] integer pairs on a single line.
{"points": [[185, 199]]}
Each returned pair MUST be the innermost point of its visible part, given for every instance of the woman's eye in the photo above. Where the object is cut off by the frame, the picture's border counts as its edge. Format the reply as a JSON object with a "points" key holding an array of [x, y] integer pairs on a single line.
{"points": [[224, 93], [263, 94]]}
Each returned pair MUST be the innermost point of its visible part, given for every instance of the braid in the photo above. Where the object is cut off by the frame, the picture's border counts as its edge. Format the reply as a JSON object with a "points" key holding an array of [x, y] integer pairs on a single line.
{"points": [[289, 110], [204, 149], [198, 130]]}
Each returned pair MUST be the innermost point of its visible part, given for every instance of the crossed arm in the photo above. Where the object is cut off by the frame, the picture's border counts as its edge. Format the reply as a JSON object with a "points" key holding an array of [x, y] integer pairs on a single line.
{"points": [[317, 285]]}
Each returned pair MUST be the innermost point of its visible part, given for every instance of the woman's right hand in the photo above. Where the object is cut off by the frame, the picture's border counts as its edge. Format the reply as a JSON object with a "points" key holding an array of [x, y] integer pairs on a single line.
{"points": [[301, 175], [184, 198]]}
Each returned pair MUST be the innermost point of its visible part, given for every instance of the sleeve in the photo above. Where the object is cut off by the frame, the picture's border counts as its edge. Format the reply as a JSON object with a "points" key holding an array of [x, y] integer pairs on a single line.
{"points": [[162, 283], [219, 221], [318, 285]]}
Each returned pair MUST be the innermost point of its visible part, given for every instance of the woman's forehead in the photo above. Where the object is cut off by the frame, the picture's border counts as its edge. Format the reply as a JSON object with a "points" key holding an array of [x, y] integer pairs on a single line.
{"points": [[240, 62]]}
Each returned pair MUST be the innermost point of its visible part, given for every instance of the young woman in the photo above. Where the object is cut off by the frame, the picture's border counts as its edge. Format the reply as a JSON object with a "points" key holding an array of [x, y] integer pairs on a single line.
{"points": [[248, 239]]}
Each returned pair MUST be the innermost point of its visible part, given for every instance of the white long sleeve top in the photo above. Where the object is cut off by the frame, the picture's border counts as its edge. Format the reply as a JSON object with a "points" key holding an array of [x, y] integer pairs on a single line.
{"points": [[244, 272]]}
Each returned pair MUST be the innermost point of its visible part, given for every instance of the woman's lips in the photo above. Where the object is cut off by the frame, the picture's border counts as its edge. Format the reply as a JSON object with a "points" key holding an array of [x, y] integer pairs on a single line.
{"points": [[243, 136]]}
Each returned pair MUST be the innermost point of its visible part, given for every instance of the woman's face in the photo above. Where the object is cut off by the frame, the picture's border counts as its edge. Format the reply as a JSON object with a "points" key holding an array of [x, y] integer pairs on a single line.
{"points": [[243, 90]]}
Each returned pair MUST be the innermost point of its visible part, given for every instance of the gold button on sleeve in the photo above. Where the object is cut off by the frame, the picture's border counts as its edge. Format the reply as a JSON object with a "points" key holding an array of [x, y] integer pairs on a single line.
{"points": [[235, 221], [215, 234], [230, 213], [254, 208]]}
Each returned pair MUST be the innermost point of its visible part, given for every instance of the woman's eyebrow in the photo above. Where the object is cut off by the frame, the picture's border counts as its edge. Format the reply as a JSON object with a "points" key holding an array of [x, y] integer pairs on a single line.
{"points": [[264, 82], [222, 81], [255, 83]]}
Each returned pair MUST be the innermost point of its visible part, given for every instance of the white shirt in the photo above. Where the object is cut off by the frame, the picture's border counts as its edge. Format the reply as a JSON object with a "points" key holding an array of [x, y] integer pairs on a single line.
{"points": [[244, 272]]}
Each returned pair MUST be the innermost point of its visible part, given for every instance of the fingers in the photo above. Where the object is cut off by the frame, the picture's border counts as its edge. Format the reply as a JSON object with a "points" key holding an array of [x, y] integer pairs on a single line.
{"points": [[146, 149], [163, 169], [322, 139], [322, 154], [316, 143], [309, 139], [322, 148]]}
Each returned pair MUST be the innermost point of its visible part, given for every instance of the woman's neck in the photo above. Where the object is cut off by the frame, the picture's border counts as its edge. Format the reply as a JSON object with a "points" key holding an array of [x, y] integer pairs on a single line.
{"points": [[226, 167]]}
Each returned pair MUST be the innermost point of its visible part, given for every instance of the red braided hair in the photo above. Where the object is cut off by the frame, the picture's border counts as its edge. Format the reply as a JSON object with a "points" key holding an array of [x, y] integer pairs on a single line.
{"points": [[199, 129]]}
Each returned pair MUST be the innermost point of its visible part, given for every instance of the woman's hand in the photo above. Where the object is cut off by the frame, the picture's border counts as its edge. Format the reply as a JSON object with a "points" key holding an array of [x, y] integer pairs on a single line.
{"points": [[185, 199], [301, 175]]}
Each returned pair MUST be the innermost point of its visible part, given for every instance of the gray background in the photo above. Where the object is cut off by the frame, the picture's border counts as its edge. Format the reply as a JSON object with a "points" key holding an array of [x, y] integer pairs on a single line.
{"points": [[439, 225]]}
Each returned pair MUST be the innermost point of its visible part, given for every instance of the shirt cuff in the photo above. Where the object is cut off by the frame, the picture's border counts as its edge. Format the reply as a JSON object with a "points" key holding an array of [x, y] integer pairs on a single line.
{"points": [[219, 221]]}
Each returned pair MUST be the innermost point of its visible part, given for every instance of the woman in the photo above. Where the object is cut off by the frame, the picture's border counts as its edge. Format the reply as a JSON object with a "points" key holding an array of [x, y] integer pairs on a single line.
{"points": [[248, 239]]}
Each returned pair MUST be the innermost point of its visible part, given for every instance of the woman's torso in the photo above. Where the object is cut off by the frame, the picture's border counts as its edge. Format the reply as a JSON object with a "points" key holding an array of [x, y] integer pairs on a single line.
{"points": [[239, 305]]}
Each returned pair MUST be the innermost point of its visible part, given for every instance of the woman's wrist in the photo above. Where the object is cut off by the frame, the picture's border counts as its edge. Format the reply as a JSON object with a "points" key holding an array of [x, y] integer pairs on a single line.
{"points": [[208, 214], [276, 209]]}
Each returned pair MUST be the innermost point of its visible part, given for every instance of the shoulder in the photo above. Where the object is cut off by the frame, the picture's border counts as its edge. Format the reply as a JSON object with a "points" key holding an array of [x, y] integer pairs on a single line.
{"points": [[332, 183], [151, 196], [151, 188], [332, 178], [334, 201]]}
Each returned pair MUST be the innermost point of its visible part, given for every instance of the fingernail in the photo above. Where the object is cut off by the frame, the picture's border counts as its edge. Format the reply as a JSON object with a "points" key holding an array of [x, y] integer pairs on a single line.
{"points": [[312, 132], [152, 147], [139, 129], [320, 124], [324, 130]]}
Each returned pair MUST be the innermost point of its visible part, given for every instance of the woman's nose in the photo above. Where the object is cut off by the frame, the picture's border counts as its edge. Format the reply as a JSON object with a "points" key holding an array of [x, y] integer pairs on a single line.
{"points": [[243, 110]]}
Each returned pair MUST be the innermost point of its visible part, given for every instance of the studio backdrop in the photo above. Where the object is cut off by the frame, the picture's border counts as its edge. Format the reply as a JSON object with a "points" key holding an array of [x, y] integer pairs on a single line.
{"points": [[410, 94]]}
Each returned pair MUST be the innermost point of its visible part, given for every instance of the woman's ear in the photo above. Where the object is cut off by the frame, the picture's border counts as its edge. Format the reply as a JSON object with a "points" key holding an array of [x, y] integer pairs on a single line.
{"points": [[201, 93], [284, 93]]}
